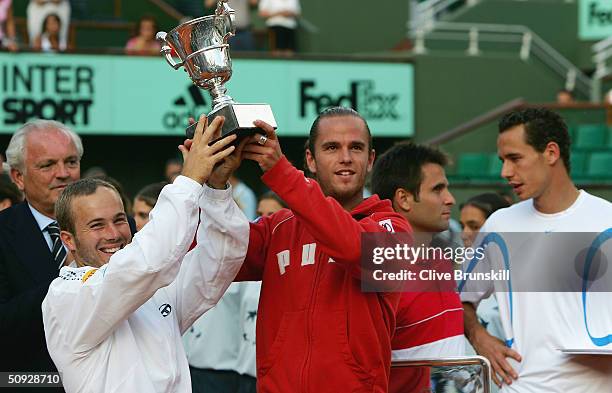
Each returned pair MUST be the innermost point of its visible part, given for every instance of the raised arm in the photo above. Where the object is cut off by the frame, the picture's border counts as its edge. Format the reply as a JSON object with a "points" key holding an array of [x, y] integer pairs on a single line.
{"points": [[334, 229], [84, 306], [208, 269]]}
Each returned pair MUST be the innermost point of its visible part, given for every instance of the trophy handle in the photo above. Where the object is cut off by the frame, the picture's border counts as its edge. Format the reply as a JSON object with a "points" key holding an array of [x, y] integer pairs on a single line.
{"points": [[223, 9], [166, 50]]}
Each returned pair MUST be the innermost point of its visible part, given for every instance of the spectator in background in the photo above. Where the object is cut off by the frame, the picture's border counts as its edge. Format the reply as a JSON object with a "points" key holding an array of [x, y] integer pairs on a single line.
{"points": [[7, 26], [244, 197], [95, 171], [145, 201], [220, 346], [144, 43], [269, 203], [173, 168], [44, 157], [507, 195], [49, 40], [3, 166], [281, 19], [475, 212], [565, 97], [243, 40], [37, 12], [9, 193]]}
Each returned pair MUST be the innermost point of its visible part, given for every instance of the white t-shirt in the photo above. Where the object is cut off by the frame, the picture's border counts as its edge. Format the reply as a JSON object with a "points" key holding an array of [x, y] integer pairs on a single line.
{"points": [[538, 324], [274, 6], [224, 337]]}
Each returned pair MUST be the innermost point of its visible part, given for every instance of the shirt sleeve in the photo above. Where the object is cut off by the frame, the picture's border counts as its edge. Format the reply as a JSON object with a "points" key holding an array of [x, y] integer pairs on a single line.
{"points": [[472, 291], [82, 312], [209, 268], [334, 229], [259, 241]]}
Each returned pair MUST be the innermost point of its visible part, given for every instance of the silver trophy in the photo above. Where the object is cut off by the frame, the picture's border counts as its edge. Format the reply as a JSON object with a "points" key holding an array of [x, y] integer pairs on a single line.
{"points": [[201, 44]]}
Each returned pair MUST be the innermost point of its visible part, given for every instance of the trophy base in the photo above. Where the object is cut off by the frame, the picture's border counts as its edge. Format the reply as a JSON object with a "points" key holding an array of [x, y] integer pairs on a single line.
{"points": [[239, 120]]}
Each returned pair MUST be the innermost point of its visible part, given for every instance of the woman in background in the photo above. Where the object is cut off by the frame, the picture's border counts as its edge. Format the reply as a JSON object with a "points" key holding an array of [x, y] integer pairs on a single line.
{"points": [[37, 12], [269, 203], [7, 26], [144, 42], [475, 212], [49, 40]]}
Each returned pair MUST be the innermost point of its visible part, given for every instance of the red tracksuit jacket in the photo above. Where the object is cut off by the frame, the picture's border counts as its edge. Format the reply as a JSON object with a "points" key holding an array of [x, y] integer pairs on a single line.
{"points": [[317, 332]]}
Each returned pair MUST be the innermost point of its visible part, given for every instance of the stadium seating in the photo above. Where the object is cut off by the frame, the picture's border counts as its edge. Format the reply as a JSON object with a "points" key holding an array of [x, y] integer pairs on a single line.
{"points": [[591, 158], [473, 165], [600, 165], [591, 136], [578, 162]]}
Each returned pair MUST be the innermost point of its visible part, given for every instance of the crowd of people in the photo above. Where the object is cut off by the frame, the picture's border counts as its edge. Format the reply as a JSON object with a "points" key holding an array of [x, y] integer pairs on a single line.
{"points": [[48, 26], [267, 295]]}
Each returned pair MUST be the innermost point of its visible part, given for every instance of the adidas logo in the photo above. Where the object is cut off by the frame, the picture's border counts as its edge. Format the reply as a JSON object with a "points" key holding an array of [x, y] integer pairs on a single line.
{"points": [[192, 104]]}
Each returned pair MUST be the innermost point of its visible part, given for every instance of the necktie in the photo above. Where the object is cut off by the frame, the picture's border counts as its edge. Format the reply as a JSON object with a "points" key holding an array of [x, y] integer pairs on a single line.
{"points": [[57, 249]]}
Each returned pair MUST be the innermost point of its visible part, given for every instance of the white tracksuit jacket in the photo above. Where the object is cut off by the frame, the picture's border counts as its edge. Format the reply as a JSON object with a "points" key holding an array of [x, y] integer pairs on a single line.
{"points": [[119, 329]]}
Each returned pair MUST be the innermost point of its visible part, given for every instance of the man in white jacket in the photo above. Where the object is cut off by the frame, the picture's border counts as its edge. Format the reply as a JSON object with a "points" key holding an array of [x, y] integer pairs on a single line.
{"points": [[114, 323]]}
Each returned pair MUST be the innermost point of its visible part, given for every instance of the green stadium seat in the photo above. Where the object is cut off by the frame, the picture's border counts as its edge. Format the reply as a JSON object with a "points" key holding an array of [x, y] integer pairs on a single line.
{"points": [[591, 136], [600, 165], [473, 165], [495, 166], [578, 163], [571, 129]]}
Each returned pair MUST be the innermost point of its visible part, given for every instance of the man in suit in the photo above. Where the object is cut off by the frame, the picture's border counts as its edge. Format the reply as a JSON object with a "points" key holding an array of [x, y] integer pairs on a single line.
{"points": [[44, 157]]}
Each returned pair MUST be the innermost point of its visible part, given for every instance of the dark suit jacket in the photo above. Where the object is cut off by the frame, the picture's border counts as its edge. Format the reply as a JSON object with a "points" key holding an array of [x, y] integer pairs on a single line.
{"points": [[26, 271]]}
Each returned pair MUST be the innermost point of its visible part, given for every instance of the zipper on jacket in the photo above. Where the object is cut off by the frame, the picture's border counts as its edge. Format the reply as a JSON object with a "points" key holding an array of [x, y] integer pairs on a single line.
{"points": [[310, 310]]}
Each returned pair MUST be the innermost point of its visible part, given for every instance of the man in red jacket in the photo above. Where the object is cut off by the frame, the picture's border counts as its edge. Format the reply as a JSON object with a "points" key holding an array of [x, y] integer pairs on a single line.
{"points": [[317, 332], [430, 321]]}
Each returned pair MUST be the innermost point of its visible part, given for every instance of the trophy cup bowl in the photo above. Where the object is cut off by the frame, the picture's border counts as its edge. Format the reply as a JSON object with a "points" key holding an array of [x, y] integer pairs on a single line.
{"points": [[201, 45]]}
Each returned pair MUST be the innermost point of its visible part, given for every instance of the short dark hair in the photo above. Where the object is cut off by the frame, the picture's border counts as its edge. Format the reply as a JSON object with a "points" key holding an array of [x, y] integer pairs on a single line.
{"points": [[174, 161], [335, 111], [149, 194], [542, 126], [272, 195], [488, 203], [8, 190], [83, 187], [401, 167]]}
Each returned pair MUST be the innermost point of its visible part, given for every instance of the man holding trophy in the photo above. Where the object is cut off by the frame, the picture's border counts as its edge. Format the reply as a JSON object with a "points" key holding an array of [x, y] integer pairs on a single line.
{"points": [[317, 331], [114, 322]]}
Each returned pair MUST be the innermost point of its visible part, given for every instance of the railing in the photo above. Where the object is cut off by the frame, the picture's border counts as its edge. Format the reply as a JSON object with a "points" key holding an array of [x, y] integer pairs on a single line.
{"points": [[517, 103], [425, 13], [168, 9], [530, 44], [602, 51], [470, 374], [477, 122]]}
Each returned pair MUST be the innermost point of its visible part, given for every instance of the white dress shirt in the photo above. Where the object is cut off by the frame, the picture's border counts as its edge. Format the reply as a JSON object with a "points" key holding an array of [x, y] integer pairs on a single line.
{"points": [[118, 329]]}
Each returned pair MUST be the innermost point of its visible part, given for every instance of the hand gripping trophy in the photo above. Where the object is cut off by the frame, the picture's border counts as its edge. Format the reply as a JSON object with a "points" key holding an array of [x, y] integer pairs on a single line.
{"points": [[201, 45]]}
